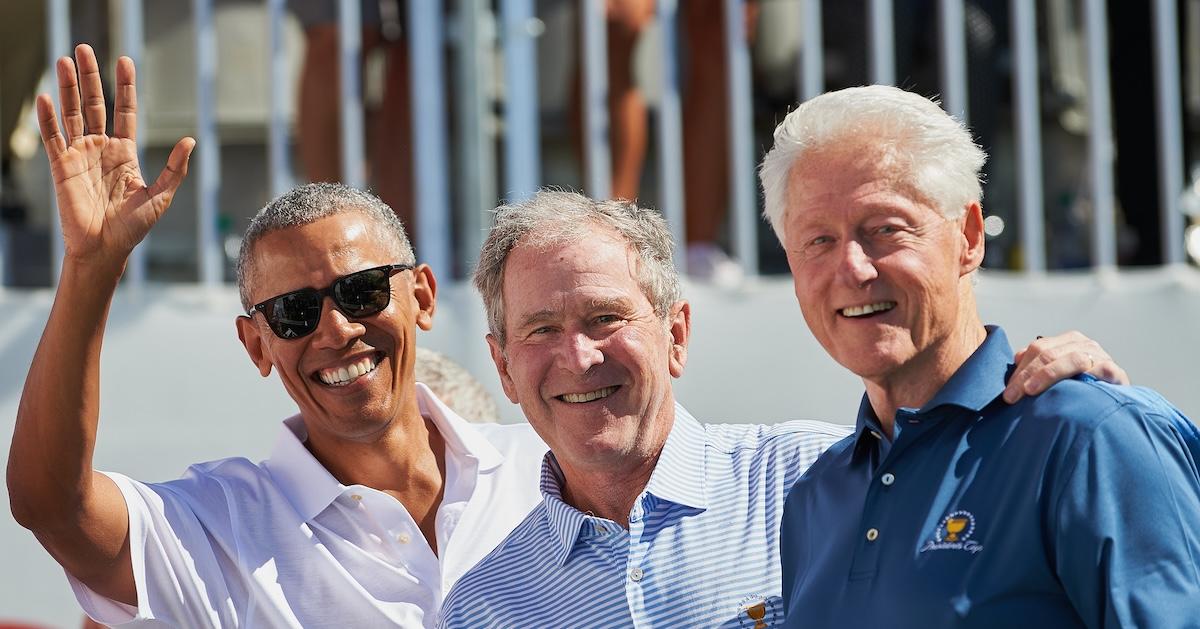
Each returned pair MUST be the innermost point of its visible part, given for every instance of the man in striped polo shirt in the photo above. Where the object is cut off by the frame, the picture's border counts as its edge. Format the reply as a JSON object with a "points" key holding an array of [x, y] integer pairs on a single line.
{"points": [[648, 518]]}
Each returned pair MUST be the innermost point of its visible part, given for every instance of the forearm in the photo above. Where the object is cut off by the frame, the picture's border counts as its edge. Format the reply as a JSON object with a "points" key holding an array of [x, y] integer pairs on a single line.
{"points": [[50, 462]]}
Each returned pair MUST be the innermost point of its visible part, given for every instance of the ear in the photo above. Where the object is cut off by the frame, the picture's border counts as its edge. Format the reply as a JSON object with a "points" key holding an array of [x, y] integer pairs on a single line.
{"points": [[249, 334], [506, 381], [681, 332], [973, 237], [425, 292]]}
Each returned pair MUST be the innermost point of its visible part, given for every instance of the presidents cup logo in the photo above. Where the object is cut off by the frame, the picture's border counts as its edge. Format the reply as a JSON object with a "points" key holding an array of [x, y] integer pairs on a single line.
{"points": [[758, 611], [954, 533]]}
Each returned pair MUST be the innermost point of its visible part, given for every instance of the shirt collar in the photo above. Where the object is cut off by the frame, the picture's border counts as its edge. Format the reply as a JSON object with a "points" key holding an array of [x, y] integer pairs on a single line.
{"points": [[311, 488], [978, 382], [678, 477]]}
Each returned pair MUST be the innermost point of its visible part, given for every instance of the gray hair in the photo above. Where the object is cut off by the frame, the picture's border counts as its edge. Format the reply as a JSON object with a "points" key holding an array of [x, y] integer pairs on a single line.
{"points": [[455, 387], [553, 217], [936, 152], [311, 202]]}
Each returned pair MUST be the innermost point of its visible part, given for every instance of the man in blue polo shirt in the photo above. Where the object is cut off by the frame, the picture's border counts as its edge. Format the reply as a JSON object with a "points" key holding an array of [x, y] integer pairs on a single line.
{"points": [[949, 506]]}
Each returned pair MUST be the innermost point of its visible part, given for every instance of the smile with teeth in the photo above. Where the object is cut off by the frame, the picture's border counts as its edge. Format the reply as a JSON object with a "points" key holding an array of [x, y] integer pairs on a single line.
{"points": [[341, 376], [864, 310], [579, 398]]}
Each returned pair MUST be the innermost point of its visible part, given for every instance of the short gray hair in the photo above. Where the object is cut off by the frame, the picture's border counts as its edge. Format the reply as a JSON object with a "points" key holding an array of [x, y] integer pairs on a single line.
{"points": [[941, 160], [553, 217], [311, 202]]}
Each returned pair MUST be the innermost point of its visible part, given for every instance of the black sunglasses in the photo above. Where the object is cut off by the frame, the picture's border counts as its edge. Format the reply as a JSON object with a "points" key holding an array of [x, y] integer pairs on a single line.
{"points": [[360, 294]]}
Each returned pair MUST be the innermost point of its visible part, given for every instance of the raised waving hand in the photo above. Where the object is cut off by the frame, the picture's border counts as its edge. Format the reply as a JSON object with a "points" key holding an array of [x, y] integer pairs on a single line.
{"points": [[105, 204]]}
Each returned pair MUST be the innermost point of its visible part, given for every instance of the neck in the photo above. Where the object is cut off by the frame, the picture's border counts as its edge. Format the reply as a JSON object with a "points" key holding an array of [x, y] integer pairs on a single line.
{"points": [[918, 380], [606, 494]]}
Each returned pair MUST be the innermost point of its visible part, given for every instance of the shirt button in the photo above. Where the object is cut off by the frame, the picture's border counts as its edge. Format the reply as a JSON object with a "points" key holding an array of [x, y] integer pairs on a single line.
{"points": [[636, 574], [888, 479], [403, 538], [356, 497], [872, 535]]}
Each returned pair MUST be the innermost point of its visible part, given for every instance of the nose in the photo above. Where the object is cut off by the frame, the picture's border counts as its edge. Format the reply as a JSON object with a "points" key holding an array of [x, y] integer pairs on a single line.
{"points": [[579, 352], [856, 266], [335, 330]]}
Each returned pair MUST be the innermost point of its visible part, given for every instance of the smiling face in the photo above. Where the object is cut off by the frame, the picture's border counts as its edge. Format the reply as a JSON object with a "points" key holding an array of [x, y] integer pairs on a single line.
{"points": [[586, 356], [351, 378], [881, 276]]}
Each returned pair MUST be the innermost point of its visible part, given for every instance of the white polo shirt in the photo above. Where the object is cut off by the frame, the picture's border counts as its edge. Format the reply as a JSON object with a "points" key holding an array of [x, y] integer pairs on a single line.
{"points": [[284, 544]]}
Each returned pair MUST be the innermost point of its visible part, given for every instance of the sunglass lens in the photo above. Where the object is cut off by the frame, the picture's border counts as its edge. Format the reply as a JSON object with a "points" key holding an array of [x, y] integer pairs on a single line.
{"points": [[295, 314], [363, 293]]}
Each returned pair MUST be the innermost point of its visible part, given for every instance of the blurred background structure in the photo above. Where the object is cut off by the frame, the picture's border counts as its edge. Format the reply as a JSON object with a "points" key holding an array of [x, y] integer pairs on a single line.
{"points": [[1090, 111]]}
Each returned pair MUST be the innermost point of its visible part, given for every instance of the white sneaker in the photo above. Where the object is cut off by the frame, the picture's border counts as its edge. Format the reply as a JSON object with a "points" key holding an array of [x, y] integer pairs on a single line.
{"points": [[707, 262]]}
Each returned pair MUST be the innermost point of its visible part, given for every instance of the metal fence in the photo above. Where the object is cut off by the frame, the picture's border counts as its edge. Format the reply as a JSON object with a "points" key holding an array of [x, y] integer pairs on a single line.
{"points": [[504, 33]]}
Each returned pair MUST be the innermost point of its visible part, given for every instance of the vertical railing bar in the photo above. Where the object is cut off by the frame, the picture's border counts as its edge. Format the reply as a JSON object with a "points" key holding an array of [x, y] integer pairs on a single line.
{"points": [[58, 43], [1170, 128], [1100, 144], [131, 46], [474, 120], [670, 129], [1029, 140], [812, 51], [429, 133], [598, 178], [522, 145], [953, 58], [350, 85], [743, 206], [208, 148], [881, 41], [278, 158]]}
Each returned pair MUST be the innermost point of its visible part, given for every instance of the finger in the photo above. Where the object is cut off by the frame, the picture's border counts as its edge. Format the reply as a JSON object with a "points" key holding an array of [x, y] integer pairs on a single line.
{"points": [[1068, 365], [1111, 372], [68, 98], [163, 190], [125, 107], [52, 138], [90, 90]]}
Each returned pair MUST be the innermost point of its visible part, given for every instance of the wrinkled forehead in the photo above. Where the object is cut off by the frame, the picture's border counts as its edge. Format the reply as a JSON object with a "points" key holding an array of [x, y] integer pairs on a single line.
{"points": [[343, 243]]}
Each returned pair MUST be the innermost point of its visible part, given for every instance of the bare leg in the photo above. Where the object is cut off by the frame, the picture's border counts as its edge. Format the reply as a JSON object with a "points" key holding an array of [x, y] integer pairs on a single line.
{"points": [[627, 107], [391, 147], [705, 121], [318, 107]]}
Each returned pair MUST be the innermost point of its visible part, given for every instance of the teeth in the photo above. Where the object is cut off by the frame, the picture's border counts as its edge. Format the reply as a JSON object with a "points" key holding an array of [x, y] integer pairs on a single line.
{"points": [[343, 375], [577, 398], [858, 311]]}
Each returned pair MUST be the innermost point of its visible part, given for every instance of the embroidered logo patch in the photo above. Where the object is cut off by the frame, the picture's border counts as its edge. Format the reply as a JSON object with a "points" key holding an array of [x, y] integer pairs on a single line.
{"points": [[954, 533], [759, 612]]}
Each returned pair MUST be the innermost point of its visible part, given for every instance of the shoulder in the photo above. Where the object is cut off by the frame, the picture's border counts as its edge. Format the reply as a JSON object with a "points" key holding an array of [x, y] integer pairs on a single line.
{"points": [[529, 544], [208, 486], [791, 435], [1088, 406]]}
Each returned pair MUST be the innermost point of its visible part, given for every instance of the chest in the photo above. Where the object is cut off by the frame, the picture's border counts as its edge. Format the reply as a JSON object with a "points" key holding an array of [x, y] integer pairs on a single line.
{"points": [[953, 530]]}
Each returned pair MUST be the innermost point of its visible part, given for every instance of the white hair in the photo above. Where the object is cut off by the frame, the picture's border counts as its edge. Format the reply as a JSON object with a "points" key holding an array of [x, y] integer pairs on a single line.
{"points": [[932, 150]]}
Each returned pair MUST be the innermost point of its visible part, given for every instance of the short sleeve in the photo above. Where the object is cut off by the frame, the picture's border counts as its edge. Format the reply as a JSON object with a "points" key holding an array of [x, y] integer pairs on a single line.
{"points": [[175, 570], [1127, 523]]}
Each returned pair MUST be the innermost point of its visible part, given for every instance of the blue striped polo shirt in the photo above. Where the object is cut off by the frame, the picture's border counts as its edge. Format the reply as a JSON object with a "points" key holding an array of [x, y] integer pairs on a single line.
{"points": [[702, 548]]}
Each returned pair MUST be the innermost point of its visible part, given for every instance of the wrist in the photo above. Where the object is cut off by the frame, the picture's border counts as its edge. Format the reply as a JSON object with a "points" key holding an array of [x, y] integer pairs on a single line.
{"points": [[94, 268]]}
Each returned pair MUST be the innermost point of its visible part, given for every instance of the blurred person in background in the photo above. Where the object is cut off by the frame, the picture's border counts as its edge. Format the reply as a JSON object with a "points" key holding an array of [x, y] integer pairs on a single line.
{"points": [[705, 120], [376, 496], [389, 128]]}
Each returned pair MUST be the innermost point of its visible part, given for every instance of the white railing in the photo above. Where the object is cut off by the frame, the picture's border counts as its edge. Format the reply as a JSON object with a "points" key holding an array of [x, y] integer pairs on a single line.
{"points": [[476, 34]]}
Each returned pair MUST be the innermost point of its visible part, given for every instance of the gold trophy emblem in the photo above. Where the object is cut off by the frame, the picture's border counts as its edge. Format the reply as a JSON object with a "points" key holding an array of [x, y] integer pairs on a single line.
{"points": [[757, 612], [954, 526]]}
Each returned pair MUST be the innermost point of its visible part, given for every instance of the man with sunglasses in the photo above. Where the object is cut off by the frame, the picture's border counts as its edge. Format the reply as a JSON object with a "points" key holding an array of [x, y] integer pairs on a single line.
{"points": [[376, 496]]}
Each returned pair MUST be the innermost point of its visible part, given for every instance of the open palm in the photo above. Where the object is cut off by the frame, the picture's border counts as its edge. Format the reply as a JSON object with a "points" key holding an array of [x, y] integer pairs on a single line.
{"points": [[105, 204]]}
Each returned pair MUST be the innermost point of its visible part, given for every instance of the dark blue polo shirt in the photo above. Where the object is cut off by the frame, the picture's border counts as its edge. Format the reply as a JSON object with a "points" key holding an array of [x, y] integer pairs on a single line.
{"points": [[1076, 508]]}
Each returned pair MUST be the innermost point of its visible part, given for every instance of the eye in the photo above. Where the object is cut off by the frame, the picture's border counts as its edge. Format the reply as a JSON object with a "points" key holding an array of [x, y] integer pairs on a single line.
{"points": [[820, 240], [607, 318], [543, 330]]}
